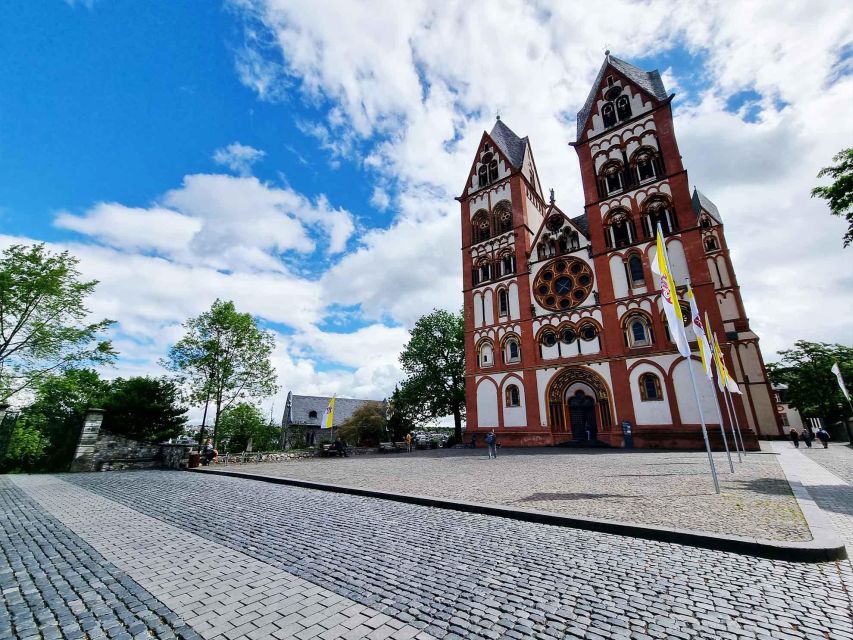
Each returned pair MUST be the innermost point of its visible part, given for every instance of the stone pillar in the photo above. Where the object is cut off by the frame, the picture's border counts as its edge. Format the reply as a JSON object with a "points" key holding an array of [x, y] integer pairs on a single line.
{"points": [[88, 437]]}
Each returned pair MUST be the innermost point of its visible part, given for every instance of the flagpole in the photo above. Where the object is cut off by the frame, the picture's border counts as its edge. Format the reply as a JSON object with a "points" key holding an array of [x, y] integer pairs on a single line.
{"points": [[731, 424], [734, 413], [704, 429], [723, 429]]}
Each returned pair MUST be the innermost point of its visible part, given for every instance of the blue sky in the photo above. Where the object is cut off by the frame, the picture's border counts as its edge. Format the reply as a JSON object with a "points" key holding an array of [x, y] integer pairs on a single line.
{"points": [[301, 158]]}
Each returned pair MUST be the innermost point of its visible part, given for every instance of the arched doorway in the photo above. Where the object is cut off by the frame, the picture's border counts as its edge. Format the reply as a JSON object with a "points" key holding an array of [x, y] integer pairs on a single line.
{"points": [[579, 404]]}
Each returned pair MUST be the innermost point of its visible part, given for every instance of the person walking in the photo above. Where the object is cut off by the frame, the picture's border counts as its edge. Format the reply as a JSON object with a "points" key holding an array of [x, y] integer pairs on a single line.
{"points": [[795, 437], [409, 442], [807, 437], [823, 436], [492, 441]]}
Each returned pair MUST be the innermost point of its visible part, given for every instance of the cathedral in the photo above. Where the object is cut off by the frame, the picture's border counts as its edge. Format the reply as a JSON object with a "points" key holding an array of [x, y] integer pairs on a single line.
{"points": [[565, 338]]}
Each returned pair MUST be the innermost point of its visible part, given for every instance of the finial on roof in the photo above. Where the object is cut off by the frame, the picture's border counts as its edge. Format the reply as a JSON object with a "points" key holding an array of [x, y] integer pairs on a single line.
{"points": [[552, 196], [498, 114], [607, 53]]}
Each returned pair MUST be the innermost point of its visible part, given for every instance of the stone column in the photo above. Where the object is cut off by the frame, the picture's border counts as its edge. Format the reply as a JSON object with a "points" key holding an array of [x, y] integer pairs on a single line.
{"points": [[88, 437]]}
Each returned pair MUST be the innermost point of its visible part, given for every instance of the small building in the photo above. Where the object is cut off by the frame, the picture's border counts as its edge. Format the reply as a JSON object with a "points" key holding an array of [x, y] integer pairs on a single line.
{"points": [[789, 415], [303, 418]]}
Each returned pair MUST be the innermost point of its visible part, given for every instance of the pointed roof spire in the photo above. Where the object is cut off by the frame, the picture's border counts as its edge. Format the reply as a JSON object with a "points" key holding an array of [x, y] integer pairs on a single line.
{"points": [[552, 196], [510, 144]]}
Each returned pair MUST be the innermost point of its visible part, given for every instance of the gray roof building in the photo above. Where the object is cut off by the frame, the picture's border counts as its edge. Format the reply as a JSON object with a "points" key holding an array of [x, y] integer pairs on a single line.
{"points": [[308, 411]]}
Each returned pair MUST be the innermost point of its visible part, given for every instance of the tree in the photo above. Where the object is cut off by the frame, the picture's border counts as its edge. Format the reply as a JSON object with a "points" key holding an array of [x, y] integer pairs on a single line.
{"points": [[812, 388], [366, 425], [224, 357], [243, 423], [402, 415], [44, 327], [26, 445], [839, 194], [434, 363], [145, 409]]}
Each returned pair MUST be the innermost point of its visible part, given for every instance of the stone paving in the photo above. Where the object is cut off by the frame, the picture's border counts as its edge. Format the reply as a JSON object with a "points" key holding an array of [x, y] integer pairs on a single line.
{"points": [[838, 458], [672, 489], [54, 585], [459, 575]]}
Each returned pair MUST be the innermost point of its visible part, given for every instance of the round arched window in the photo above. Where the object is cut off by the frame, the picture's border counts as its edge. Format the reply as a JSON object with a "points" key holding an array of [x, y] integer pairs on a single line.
{"points": [[563, 283], [549, 339], [568, 335], [588, 332]]}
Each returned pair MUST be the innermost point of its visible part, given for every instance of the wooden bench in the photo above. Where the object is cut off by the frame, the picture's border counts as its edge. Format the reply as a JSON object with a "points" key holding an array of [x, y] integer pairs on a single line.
{"points": [[329, 450]]}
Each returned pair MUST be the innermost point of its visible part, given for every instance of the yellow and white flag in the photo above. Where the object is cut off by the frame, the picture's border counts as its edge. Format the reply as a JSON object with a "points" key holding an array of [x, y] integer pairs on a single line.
{"points": [[701, 336], [724, 378], [329, 415], [837, 373], [669, 297]]}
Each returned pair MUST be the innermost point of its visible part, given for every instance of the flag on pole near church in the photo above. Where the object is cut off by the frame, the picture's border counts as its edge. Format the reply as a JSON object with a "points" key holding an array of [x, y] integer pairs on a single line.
{"points": [[724, 378], [329, 415], [837, 373], [669, 298], [701, 336]]}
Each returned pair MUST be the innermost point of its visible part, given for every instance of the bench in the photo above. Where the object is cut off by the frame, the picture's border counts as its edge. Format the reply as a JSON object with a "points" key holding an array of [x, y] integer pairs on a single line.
{"points": [[387, 447], [329, 450]]}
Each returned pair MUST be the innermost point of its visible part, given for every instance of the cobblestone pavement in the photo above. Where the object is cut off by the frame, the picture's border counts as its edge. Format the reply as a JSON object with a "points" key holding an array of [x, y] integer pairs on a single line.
{"points": [[459, 575], [671, 489], [220, 592], [838, 458], [54, 585]]}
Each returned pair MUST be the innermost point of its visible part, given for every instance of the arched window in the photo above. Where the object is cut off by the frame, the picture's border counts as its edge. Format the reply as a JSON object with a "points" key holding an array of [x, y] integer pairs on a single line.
{"points": [[619, 230], [486, 354], [475, 276], [659, 211], [549, 339], [608, 114], [513, 398], [503, 216], [493, 170], [610, 178], [638, 332], [503, 302], [312, 415], [512, 352], [480, 226], [588, 332], [568, 335], [705, 222], [507, 264], [711, 244], [483, 176], [635, 271], [623, 107], [485, 271], [647, 164], [650, 389]]}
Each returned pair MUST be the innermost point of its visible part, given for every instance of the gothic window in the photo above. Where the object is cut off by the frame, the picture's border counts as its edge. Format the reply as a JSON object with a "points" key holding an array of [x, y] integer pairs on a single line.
{"points": [[659, 211], [513, 399], [610, 178], [711, 244], [503, 302], [483, 176], [480, 226], [647, 163], [705, 223], [485, 272], [638, 332], [608, 114], [563, 284], [503, 216], [493, 170], [619, 229], [486, 355], [507, 264], [623, 107], [635, 271], [650, 389], [512, 352]]}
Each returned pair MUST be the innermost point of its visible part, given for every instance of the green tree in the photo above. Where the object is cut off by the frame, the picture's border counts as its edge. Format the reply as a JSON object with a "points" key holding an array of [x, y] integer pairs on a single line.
{"points": [[366, 425], [244, 423], [144, 408], [812, 388], [839, 194], [223, 358], [402, 415], [26, 445], [434, 363], [44, 323]]}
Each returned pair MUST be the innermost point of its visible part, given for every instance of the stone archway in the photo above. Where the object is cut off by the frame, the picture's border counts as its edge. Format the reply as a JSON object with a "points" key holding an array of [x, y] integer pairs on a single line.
{"points": [[579, 404]]}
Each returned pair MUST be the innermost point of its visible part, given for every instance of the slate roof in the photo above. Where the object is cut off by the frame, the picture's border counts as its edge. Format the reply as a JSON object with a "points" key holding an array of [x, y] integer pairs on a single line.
{"points": [[301, 407], [510, 144], [649, 81], [582, 223], [701, 202]]}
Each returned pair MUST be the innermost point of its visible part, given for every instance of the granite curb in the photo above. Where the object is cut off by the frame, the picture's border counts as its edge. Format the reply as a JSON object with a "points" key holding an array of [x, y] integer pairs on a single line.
{"points": [[825, 546]]}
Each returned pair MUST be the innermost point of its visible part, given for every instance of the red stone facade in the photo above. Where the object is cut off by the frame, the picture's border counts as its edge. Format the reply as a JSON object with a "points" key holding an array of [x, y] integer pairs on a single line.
{"points": [[565, 339]]}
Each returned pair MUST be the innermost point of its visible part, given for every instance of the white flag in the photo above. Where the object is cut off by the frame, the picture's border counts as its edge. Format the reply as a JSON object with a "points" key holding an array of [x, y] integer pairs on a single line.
{"points": [[669, 297], [701, 337], [837, 373]]}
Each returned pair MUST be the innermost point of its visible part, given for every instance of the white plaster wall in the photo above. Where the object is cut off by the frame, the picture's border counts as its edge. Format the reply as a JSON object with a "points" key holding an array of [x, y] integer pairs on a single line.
{"points": [[590, 346], [478, 310], [728, 306], [724, 272], [549, 353], [514, 416], [677, 261], [489, 304], [714, 276], [514, 311], [543, 377], [684, 394], [617, 273], [649, 412], [487, 404]]}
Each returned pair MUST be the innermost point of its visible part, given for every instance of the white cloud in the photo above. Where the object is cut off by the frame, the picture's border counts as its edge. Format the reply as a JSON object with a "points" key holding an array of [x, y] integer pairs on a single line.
{"points": [[238, 157]]}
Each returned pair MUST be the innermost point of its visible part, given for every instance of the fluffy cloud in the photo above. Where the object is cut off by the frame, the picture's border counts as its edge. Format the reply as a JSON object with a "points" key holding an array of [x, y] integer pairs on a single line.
{"points": [[238, 157]]}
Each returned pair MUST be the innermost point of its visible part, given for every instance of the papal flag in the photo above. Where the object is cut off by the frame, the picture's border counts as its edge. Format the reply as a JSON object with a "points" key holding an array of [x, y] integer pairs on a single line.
{"points": [[329, 415], [837, 373], [669, 298], [701, 336], [724, 378]]}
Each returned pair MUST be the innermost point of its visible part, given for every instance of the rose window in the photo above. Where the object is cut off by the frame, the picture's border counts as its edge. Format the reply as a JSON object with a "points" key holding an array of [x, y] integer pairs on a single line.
{"points": [[562, 284]]}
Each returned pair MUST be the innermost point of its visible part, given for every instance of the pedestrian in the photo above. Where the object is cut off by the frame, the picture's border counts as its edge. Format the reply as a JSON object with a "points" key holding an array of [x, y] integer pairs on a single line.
{"points": [[208, 453], [795, 437], [473, 440], [807, 437], [341, 447], [492, 441], [823, 436], [409, 442]]}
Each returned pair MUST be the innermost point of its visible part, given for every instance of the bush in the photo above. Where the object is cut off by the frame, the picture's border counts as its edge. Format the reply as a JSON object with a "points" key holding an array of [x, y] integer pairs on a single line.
{"points": [[366, 426]]}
